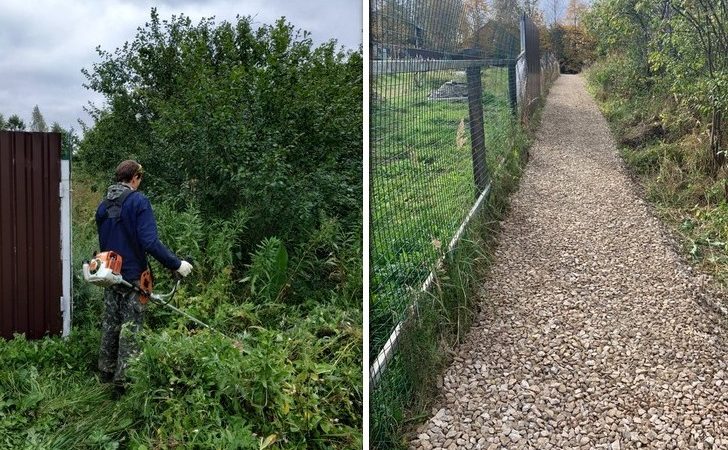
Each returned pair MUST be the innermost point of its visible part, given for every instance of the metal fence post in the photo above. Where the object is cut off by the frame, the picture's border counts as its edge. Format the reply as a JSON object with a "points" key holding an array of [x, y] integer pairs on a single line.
{"points": [[512, 87], [477, 131]]}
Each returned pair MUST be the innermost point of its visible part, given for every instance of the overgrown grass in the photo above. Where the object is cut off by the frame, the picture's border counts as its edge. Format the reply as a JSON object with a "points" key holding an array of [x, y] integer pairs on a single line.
{"points": [[290, 377], [674, 167], [408, 388]]}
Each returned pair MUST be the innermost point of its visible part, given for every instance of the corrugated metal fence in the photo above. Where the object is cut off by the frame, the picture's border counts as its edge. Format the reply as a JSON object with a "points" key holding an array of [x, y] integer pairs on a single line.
{"points": [[31, 282]]}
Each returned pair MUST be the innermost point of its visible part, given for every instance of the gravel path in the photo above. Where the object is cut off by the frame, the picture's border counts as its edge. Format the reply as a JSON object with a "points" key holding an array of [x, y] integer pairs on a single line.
{"points": [[593, 335]]}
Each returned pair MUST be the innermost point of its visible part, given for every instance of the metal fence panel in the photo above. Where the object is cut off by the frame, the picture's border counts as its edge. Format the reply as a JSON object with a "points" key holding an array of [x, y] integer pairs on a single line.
{"points": [[447, 90], [30, 230], [443, 90], [532, 58], [440, 95]]}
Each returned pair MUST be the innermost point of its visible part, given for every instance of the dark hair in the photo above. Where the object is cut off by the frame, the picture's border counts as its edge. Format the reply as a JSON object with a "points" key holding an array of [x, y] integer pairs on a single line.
{"points": [[126, 170]]}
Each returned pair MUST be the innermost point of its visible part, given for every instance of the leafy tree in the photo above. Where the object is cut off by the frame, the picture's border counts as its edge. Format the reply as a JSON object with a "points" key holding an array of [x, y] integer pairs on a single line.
{"points": [[507, 11], [69, 140], [15, 123], [37, 122], [680, 44], [438, 22], [391, 26], [231, 121], [573, 45], [694, 53], [531, 9], [625, 27], [2, 122]]}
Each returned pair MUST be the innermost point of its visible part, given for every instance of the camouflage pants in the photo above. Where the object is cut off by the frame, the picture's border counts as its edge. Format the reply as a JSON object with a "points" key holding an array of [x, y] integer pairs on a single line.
{"points": [[122, 321]]}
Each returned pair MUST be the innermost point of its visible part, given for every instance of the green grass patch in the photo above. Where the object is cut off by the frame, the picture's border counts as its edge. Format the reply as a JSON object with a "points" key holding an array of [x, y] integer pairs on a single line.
{"points": [[422, 182]]}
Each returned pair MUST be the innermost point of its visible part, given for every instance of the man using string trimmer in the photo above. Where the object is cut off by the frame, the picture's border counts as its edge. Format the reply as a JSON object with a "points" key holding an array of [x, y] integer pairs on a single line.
{"points": [[127, 232]]}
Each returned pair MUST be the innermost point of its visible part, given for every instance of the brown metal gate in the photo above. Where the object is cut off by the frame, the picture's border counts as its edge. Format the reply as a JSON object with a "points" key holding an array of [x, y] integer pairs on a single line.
{"points": [[30, 224]]}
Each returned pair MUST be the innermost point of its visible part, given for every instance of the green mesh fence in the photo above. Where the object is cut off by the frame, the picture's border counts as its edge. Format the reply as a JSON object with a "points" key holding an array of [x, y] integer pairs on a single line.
{"points": [[438, 100], [448, 91]]}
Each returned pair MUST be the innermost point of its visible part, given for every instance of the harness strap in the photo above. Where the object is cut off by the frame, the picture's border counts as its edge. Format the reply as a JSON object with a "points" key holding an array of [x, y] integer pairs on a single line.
{"points": [[113, 207]]}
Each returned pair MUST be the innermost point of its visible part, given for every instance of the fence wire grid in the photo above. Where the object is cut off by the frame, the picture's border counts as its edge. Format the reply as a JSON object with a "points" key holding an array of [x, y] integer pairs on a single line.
{"points": [[441, 93], [446, 94]]}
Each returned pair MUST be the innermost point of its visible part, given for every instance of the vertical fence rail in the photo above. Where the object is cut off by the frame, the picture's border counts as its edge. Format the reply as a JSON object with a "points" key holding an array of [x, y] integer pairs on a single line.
{"points": [[477, 129], [532, 57], [512, 91], [30, 234]]}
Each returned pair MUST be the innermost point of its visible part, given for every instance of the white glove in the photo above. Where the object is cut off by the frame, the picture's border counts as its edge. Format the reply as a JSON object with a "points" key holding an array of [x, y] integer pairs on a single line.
{"points": [[184, 268]]}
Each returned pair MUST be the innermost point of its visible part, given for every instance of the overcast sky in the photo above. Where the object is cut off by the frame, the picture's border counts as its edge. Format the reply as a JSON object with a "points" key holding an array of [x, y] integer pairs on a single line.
{"points": [[44, 44]]}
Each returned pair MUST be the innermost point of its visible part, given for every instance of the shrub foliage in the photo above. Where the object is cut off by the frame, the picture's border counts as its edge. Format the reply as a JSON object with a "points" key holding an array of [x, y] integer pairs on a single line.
{"points": [[678, 48], [225, 117]]}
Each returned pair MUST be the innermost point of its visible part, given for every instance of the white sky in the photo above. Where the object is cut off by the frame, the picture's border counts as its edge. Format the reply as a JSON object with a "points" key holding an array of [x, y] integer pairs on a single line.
{"points": [[44, 44]]}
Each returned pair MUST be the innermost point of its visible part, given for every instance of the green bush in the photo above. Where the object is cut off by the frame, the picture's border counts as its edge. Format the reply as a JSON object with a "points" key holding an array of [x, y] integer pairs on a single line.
{"points": [[285, 385], [297, 388], [227, 118]]}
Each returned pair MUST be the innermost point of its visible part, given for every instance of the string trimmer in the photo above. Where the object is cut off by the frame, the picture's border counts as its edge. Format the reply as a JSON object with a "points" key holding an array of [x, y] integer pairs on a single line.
{"points": [[104, 270]]}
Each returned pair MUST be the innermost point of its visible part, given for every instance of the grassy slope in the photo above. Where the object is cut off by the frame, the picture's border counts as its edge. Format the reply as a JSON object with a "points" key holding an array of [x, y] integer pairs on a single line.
{"points": [[672, 168], [422, 180]]}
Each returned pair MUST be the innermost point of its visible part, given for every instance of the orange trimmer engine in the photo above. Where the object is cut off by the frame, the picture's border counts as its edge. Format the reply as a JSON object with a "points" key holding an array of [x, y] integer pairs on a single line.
{"points": [[104, 269], [146, 284]]}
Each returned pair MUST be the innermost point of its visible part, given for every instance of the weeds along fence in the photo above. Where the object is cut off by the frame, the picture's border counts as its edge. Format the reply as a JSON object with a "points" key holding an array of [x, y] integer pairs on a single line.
{"points": [[446, 95]]}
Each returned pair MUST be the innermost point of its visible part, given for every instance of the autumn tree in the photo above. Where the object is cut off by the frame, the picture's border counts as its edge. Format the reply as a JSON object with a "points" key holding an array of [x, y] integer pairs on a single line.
{"points": [[507, 11], [554, 9], [530, 8], [575, 12], [392, 22], [419, 24], [436, 24], [475, 15]]}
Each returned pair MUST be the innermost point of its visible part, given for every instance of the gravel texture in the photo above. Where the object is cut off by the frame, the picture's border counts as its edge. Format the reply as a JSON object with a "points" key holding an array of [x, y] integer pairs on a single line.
{"points": [[595, 333]]}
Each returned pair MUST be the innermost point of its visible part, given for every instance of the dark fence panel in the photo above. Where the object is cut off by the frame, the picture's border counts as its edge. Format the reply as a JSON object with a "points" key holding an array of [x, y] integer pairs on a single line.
{"points": [[532, 54], [30, 247]]}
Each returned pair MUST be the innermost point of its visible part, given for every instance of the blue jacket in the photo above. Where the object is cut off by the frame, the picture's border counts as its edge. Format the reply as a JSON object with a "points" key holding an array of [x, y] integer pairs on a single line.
{"points": [[133, 235]]}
